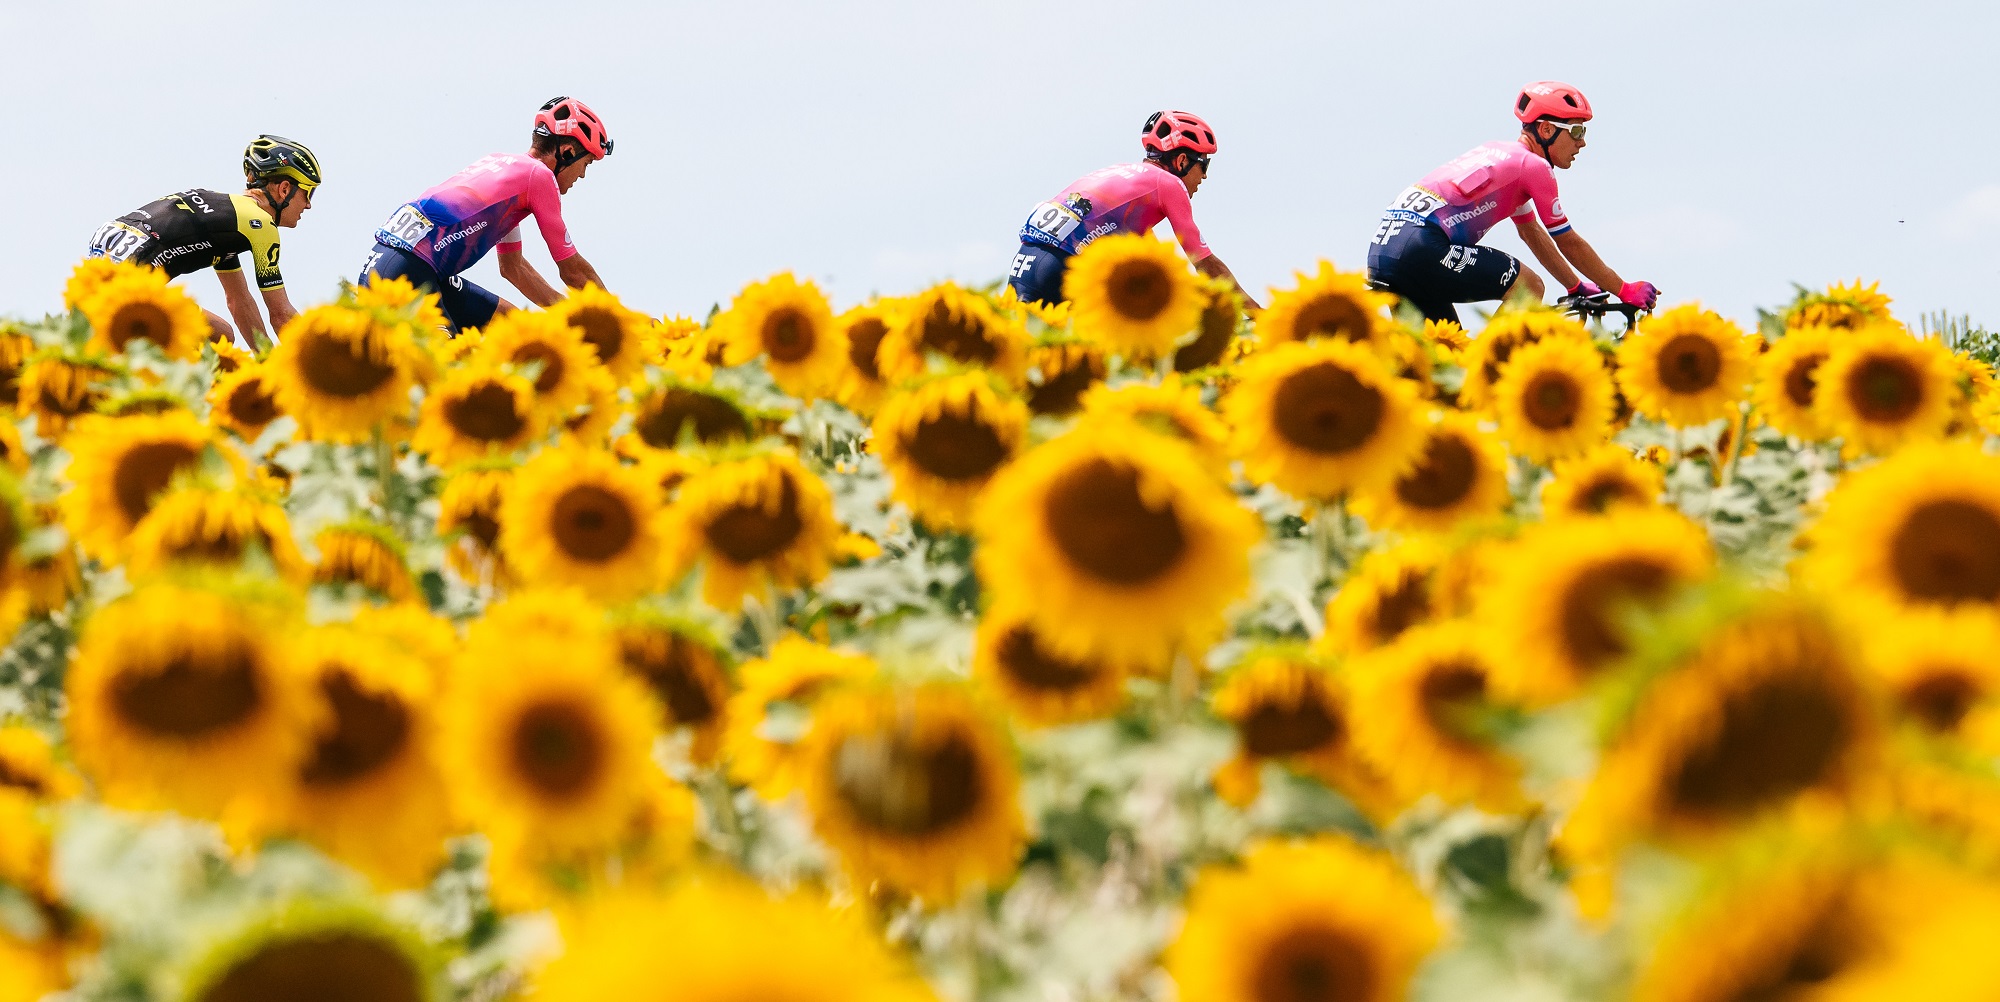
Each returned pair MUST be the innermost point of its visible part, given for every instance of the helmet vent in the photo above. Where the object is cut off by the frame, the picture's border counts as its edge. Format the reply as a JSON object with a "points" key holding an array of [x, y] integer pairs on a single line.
{"points": [[1522, 104], [1163, 131], [1571, 101]]}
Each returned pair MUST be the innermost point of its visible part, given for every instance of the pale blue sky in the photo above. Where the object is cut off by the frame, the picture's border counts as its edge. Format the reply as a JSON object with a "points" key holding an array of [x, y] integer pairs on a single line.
{"points": [[878, 146]]}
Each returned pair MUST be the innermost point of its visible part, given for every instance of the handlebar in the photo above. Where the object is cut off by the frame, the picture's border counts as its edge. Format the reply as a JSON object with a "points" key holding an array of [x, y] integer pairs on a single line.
{"points": [[1599, 306]]}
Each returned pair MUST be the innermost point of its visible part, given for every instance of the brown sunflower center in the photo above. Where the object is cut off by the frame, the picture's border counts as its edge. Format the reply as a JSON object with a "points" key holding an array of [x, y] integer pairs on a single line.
{"points": [[486, 413], [788, 336], [961, 337], [1106, 528], [601, 330], [1031, 667], [1834, 943], [1138, 289], [1608, 489], [1690, 363], [592, 524], [483, 526], [1590, 606], [1324, 408], [21, 779], [1452, 692], [1781, 736], [714, 419], [1799, 382], [551, 374], [369, 729], [139, 322], [190, 698], [1274, 729], [956, 447], [1948, 551], [1551, 400], [251, 404], [10, 385], [1313, 963], [1941, 699], [333, 967], [1403, 604], [750, 531], [1443, 478], [335, 368], [1334, 317], [1061, 390], [558, 750], [894, 783], [864, 339], [1218, 328], [144, 471], [677, 669], [1885, 389]]}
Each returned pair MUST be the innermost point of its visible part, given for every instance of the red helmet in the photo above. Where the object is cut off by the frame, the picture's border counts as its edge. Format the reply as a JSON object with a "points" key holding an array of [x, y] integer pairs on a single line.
{"points": [[571, 118], [1167, 131], [1551, 99]]}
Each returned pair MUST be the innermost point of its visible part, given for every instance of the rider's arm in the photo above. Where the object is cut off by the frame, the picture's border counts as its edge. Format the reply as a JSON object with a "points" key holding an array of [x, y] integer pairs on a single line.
{"points": [[242, 308], [1213, 267], [1580, 253], [545, 201], [514, 267], [577, 273], [1544, 248], [1180, 215], [279, 305]]}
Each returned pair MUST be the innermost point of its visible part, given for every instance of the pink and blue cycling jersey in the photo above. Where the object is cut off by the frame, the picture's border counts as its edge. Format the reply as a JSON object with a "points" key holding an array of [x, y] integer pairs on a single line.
{"points": [[1128, 198], [1491, 182], [453, 225]]}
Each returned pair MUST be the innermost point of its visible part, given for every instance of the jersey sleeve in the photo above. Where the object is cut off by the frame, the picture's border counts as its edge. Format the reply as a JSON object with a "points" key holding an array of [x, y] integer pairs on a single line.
{"points": [[511, 243], [229, 262], [262, 235], [1180, 215], [1539, 181], [545, 203]]}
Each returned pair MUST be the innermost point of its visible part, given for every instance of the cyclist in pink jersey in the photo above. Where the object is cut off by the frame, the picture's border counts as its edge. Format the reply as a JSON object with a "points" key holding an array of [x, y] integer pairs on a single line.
{"points": [[433, 239], [1128, 198], [1426, 248]]}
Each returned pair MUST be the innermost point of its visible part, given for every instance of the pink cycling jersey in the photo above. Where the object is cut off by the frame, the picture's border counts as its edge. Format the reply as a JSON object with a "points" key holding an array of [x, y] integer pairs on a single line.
{"points": [[1492, 181], [453, 225], [1128, 198]]}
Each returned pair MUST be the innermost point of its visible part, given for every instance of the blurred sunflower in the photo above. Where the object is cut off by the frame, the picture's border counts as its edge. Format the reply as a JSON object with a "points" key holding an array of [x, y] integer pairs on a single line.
{"points": [[1593, 482], [475, 411], [1132, 294], [1921, 528], [756, 523], [190, 700], [1446, 333], [1121, 544], [311, 948], [28, 763], [1320, 420], [862, 329], [1037, 687], [50, 579], [1845, 307], [15, 350], [589, 426], [228, 357], [960, 326], [1937, 669], [1287, 707], [942, 440], [562, 379], [686, 666], [120, 467], [1882, 388], [1461, 474], [367, 554], [615, 333], [1509, 331], [1326, 304], [1787, 378], [1429, 722], [13, 452], [1059, 374], [579, 518], [1554, 400], [139, 305], [200, 524], [1174, 410], [1320, 919], [58, 387], [31, 970], [1221, 323], [1559, 602], [343, 374], [673, 409], [770, 713], [92, 273], [1389, 591], [401, 300], [787, 323], [469, 521], [244, 401], [652, 850], [1687, 366]]}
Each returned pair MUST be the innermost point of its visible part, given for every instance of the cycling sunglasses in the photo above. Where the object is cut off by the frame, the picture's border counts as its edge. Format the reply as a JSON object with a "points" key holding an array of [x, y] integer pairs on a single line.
{"points": [[1575, 130], [1202, 162]]}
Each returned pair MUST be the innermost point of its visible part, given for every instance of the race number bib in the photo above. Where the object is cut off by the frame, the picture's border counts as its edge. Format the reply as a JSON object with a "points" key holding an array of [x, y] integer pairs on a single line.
{"points": [[1415, 200], [116, 241], [408, 225], [1055, 220]]}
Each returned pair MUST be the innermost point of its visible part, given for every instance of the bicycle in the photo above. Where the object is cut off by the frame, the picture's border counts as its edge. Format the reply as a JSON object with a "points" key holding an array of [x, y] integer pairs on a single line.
{"points": [[1596, 308]]}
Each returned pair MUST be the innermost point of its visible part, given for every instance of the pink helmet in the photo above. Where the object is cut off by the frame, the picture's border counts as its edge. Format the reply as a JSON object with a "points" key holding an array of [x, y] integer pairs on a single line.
{"points": [[1551, 99], [1167, 131], [571, 118]]}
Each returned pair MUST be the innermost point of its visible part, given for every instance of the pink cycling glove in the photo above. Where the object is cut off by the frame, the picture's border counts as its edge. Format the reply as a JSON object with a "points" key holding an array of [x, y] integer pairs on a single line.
{"points": [[1586, 288], [1641, 294]]}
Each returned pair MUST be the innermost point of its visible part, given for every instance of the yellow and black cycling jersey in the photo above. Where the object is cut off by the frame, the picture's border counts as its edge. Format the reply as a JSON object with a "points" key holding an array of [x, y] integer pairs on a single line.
{"points": [[195, 229]]}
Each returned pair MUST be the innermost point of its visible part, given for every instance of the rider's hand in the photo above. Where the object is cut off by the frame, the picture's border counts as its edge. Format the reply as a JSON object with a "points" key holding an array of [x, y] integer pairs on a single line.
{"points": [[1585, 288], [1641, 294]]}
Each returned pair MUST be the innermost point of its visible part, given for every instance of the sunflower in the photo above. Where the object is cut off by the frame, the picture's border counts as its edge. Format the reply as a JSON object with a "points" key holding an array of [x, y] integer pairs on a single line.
{"points": [[710, 939], [469, 520], [1221, 323], [1884, 388], [1389, 591], [402, 300], [1937, 669], [1841, 307], [58, 388], [49, 580], [477, 410], [312, 948], [545, 739], [652, 849], [244, 401], [90, 274], [16, 348], [1288, 707], [1685, 367], [1427, 726], [1509, 331], [1037, 687], [1559, 601], [28, 763], [1593, 482], [961, 326], [1446, 333], [1327, 304], [367, 554], [344, 374], [787, 323], [139, 305], [201, 524], [1921, 528], [228, 357], [1174, 410], [1320, 919], [687, 668], [769, 713], [862, 329], [1060, 372], [1554, 399], [188, 699], [616, 334], [914, 787], [1119, 543], [564, 360], [1133, 294], [589, 426], [1320, 420], [1048, 317], [576, 517], [1786, 381], [942, 440], [674, 409], [31, 970], [120, 467], [756, 523], [1462, 474]]}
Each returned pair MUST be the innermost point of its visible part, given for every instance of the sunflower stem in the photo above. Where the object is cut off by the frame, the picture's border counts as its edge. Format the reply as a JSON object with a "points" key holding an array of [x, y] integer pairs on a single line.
{"points": [[724, 798], [385, 471], [1741, 427], [1182, 683], [971, 916]]}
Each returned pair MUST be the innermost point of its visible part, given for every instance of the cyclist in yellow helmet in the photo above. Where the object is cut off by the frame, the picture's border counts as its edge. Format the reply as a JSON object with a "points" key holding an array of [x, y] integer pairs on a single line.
{"points": [[198, 228]]}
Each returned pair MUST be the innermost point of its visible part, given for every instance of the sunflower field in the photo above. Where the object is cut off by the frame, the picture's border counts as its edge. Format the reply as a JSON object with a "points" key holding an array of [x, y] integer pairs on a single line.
{"points": [[954, 648]]}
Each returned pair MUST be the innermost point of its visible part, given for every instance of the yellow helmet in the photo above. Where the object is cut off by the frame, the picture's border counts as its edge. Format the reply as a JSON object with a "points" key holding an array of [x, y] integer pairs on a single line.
{"points": [[269, 158]]}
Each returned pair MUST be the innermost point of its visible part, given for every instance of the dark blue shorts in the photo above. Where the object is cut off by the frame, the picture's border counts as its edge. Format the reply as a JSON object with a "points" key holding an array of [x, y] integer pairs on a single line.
{"points": [[1415, 260], [464, 304], [1037, 274]]}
